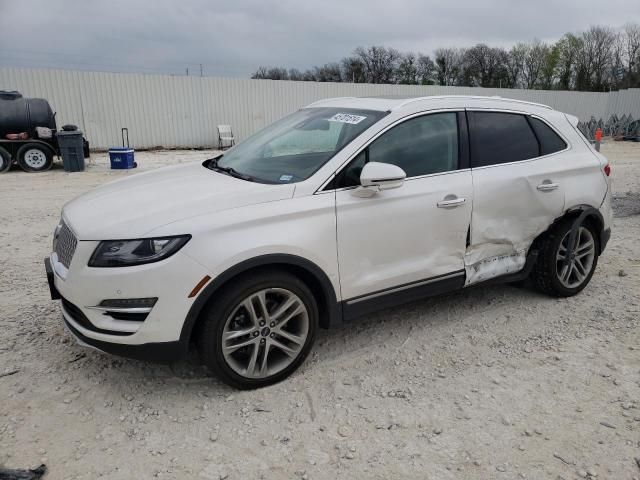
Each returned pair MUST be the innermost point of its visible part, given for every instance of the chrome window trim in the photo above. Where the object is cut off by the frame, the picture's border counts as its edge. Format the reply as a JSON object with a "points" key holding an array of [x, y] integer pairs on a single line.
{"points": [[520, 112]]}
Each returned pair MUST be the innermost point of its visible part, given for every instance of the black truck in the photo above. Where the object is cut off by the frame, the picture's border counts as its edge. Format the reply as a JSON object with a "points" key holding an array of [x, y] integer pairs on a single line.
{"points": [[28, 133]]}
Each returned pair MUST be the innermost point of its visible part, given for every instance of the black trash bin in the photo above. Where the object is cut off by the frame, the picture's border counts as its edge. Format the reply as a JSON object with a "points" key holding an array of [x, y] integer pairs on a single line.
{"points": [[71, 147]]}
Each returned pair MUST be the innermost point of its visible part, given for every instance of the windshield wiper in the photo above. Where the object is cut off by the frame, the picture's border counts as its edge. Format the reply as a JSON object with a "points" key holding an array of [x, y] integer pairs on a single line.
{"points": [[232, 172]]}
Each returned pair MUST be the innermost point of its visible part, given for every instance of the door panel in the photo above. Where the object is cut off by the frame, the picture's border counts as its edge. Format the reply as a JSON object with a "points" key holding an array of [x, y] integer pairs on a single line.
{"points": [[401, 236], [517, 193], [511, 208]]}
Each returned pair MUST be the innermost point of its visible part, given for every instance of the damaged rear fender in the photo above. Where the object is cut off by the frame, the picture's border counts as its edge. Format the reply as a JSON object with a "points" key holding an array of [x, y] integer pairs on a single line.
{"points": [[483, 262]]}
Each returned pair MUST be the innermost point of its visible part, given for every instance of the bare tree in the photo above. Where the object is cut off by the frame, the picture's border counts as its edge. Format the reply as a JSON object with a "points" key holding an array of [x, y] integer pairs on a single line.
{"points": [[631, 42], [596, 57], [277, 73], [515, 64], [548, 74], [261, 73], [426, 70], [353, 70], [295, 74], [309, 76], [379, 63], [617, 71], [485, 66], [330, 72], [448, 65], [534, 63], [407, 71], [569, 48]]}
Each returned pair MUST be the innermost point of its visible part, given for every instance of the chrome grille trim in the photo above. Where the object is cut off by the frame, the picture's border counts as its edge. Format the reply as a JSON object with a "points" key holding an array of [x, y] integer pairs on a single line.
{"points": [[65, 245]]}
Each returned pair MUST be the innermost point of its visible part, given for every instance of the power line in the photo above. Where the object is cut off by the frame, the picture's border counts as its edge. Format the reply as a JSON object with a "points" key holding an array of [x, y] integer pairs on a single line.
{"points": [[112, 68], [43, 58]]}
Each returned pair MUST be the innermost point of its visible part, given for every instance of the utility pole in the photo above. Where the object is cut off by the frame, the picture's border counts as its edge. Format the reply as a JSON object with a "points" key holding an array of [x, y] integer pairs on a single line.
{"points": [[201, 70]]}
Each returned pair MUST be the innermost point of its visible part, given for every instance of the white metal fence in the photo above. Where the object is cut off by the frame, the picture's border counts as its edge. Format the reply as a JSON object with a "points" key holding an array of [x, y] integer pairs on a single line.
{"points": [[171, 111]]}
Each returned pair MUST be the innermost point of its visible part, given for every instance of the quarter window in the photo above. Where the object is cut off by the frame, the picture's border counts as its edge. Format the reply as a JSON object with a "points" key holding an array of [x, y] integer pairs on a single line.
{"points": [[420, 146], [550, 142], [498, 137]]}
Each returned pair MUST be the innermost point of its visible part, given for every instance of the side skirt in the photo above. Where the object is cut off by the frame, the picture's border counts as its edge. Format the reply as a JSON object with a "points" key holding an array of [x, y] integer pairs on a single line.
{"points": [[391, 297], [532, 258]]}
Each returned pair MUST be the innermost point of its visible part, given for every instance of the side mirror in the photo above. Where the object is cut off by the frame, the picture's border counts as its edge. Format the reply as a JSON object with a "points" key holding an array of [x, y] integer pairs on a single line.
{"points": [[376, 176]]}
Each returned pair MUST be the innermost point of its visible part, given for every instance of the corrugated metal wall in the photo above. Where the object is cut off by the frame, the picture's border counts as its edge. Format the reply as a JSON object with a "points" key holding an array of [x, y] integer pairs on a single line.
{"points": [[171, 111]]}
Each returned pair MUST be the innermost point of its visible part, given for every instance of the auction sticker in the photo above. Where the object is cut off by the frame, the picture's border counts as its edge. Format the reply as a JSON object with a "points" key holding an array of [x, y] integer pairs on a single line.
{"points": [[346, 118]]}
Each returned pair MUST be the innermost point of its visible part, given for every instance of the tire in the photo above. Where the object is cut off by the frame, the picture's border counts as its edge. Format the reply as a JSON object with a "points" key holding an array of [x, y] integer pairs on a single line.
{"points": [[33, 157], [5, 160], [229, 314], [550, 274]]}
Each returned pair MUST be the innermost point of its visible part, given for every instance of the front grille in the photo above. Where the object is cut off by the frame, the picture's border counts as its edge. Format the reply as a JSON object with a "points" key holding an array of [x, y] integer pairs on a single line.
{"points": [[65, 245]]}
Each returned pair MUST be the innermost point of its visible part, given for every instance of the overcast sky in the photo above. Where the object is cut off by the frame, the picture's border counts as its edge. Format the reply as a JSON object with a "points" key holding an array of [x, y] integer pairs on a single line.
{"points": [[234, 37]]}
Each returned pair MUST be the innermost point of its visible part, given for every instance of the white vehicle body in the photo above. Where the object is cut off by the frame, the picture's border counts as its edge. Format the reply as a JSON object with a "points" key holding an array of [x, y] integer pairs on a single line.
{"points": [[436, 232]]}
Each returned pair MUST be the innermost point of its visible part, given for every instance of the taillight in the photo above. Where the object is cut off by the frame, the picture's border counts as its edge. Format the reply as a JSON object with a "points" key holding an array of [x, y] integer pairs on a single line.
{"points": [[607, 169]]}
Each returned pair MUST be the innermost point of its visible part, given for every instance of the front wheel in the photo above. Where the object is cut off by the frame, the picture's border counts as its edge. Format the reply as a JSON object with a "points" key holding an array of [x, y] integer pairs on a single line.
{"points": [[259, 330], [562, 271]]}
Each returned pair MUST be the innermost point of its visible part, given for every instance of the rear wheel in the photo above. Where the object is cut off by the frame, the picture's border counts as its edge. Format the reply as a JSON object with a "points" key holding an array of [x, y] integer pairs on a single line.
{"points": [[566, 264], [259, 330], [5, 160], [33, 157]]}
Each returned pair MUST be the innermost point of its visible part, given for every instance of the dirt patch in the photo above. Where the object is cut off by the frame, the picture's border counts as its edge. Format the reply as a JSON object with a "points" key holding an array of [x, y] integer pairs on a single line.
{"points": [[626, 204]]}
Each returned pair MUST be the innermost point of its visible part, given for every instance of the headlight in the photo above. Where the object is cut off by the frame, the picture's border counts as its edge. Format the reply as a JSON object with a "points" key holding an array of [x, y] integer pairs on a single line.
{"points": [[127, 253]]}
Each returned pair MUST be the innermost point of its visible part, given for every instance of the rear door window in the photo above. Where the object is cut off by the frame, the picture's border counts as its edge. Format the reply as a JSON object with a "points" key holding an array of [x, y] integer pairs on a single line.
{"points": [[550, 141], [498, 137]]}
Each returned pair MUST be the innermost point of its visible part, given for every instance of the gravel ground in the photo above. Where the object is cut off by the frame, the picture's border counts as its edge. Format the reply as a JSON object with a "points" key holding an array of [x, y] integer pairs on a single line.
{"points": [[492, 382]]}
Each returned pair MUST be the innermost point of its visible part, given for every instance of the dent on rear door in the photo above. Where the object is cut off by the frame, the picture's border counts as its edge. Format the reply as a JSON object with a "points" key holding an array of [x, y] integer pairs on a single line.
{"points": [[509, 212]]}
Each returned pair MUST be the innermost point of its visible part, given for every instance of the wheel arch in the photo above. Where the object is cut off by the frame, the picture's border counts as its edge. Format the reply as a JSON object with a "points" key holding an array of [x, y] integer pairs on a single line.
{"points": [[583, 212], [315, 278]]}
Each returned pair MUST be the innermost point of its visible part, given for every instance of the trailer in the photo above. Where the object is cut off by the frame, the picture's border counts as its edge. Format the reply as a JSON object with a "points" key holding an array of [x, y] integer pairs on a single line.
{"points": [[28, 133]]}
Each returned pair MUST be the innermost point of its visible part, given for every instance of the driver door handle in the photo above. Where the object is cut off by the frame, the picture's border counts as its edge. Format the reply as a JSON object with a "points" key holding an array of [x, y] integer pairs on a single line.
{"points": [[547, 187], [451, 202]]}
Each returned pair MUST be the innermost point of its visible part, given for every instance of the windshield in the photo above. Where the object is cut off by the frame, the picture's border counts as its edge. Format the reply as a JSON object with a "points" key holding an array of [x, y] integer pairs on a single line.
{"points": [[292, 149]]}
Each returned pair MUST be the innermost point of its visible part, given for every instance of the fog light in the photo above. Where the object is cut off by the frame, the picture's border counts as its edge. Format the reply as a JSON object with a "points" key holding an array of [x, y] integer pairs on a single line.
{"points": [[129, 302], [130, 309]]}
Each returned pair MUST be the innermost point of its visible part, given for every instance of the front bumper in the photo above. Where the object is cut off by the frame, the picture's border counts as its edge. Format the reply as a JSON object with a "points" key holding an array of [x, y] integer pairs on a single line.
{"points": [[158, 336], [162, 352]]}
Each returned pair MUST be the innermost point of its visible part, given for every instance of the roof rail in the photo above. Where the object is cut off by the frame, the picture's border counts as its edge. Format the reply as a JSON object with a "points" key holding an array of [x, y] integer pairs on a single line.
{"points": [[475, 97], [325, 99]]}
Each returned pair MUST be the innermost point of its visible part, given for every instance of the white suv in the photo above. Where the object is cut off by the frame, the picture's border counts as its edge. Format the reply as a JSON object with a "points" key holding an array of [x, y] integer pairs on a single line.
{"points": [[342, 208]]}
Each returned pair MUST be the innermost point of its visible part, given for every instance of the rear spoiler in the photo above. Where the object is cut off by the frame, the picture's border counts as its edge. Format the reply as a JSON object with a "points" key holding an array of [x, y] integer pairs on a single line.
{"points": [[572, 119]]}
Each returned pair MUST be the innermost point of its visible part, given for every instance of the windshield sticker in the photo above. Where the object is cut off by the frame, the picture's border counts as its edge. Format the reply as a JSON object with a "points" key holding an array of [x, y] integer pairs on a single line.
{"points": [[346, 118], [286, 178]]}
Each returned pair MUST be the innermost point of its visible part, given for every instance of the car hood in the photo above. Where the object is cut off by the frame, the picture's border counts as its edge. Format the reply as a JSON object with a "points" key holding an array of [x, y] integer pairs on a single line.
{"points": [[132, 207]]}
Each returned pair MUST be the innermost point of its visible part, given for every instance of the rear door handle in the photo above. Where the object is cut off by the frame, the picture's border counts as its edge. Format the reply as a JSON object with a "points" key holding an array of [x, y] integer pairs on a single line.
{"points": [[451, 202], [547, 187]]}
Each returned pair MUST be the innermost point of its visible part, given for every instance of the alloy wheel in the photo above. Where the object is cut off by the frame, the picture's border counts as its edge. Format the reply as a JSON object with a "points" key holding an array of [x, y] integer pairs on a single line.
{"points": [[575, 271], [265, 333]]}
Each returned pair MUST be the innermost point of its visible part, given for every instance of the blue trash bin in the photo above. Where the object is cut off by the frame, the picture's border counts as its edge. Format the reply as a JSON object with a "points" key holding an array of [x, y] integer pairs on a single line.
{"points": [[122, 157]]}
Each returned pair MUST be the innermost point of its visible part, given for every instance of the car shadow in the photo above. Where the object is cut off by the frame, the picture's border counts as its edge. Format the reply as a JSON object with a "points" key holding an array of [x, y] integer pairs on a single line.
{"points": [[334, 343]]}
